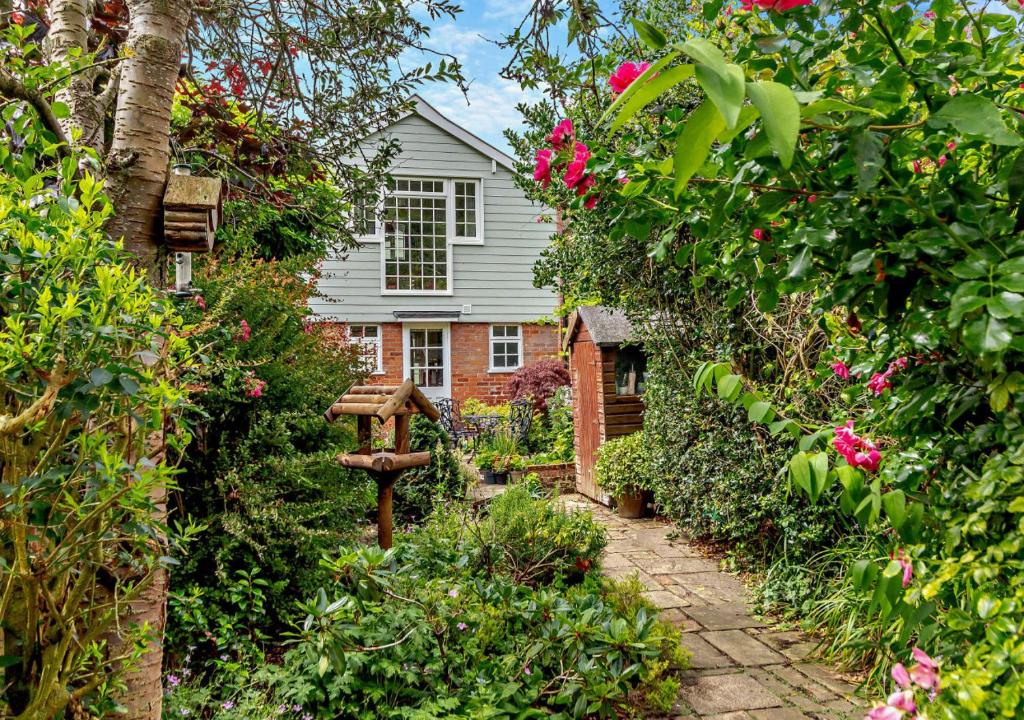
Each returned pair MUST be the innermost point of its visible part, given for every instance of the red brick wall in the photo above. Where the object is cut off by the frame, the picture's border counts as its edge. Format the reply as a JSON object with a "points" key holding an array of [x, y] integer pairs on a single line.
{"points": [[469, 358]]}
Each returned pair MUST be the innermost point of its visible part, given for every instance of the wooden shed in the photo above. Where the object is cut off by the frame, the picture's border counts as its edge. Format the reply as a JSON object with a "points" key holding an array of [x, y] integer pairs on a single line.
{"points": [[608, 370]]}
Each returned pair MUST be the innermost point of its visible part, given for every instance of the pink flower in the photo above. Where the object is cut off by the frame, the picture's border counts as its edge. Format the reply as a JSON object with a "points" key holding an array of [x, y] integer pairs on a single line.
{"points": [[917, 166], [561, 134], [879, 382], [576, 169], [776, 5], [929, 14], [227, 704], [942, 160], [951, 146], [840, 369], [17, 18], [307, 328], [624, 180], [591, 202], [542, 170], [811, 198], [584, 185], [903, 700], [200, 301], [759, 234], [246, 330], [884, 712], [256, 387], [462, 626], [907, 565], [857, 451], [527, 671], [453, 593], [625, 75], [925, 674], [900, 675]]}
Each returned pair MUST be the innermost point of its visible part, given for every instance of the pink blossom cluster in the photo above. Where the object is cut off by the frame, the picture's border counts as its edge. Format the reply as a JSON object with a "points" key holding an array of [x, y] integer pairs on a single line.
{"points": [[880, 382], [254, 387], [571, 155], [859, 452], [919, 166], [776, 5], [625, 75], [901, 705], [244, 332]]}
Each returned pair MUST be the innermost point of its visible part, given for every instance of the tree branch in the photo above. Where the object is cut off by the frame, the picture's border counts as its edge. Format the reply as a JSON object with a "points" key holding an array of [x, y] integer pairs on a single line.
{"points": [[10, 87]]}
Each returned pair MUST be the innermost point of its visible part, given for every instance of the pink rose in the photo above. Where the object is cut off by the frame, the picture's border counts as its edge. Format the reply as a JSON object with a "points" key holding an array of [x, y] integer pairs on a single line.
{"points": [[246, 330], [575, 170], [840, 369], [585, 184], [591, 202], [857, 451], [784, 5], [942, 160], [759, 234], [561, 134], [542, 171], [916, 165], [900, 675], [879, 382], [625, 75], [929, 14]]}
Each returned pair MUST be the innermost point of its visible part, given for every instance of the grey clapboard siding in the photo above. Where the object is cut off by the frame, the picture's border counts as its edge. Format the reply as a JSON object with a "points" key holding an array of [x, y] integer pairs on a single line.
{"points": [[494, 281]]}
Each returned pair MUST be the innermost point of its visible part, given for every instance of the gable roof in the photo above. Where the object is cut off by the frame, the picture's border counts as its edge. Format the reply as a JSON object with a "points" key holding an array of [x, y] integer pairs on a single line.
{"points": [[608, 326], [429, 113]]}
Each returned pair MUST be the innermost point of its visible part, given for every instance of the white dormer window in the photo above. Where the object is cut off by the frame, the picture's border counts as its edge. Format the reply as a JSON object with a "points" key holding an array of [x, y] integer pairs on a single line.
{"points": [[416, 225]]}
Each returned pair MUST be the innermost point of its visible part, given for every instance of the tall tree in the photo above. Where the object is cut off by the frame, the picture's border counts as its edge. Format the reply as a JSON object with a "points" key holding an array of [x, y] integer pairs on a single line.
{"points": [[337, 69]]}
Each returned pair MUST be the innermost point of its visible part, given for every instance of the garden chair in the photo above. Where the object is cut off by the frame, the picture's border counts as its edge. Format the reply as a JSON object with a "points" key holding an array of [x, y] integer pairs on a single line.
{"points": [[520, 417], [451, 420]]}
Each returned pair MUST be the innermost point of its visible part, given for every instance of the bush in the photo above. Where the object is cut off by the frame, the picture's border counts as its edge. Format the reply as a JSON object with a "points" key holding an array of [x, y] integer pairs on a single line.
{"points": [[397, 638], [554, 437], [538, 381], [262, 477], [625, 465], [418, 490]]}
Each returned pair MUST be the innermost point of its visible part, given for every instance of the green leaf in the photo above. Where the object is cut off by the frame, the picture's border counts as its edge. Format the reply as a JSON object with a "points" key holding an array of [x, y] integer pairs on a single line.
{"points": [[987, 606], [61, 111], [800, 265], [975, 115], [800, 472], [1006, 305], [100, 376], [760, 412], [987, 335], [729, 387], [781, 114], [649, 35], [819, 477], [1015, 182], [895, 504], [748, 114], [694, 143], [862, 574], [828, 105], [867, 157], [723, 82], [649, 92]]}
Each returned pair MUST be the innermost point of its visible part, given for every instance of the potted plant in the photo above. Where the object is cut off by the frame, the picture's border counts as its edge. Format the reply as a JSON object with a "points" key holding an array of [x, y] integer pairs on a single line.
{"points": [[625, 472], [484, 462], [516, 468], [506, 451]]}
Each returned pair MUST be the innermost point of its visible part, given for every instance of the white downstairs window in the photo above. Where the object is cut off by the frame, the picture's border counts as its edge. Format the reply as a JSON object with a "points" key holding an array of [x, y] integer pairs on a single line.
{"points": [[368, 338], [506, 348]]}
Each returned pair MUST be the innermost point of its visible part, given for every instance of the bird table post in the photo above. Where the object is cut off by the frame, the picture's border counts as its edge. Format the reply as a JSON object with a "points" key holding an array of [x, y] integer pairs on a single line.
{"points": [[367, 402]]}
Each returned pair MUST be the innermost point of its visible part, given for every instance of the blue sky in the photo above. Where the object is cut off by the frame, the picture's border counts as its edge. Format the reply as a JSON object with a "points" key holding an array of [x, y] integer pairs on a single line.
{"points": [[492, 100]]}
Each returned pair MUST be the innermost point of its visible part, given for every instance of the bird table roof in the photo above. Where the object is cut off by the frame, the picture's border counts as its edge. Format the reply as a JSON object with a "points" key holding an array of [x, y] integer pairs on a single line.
{"points": [[382, 402]]}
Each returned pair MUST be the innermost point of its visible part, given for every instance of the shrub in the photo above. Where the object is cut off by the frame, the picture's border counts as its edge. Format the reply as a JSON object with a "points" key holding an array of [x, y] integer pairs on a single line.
{"points": [[397, 638], [90, 357], [624, 465], [538, 381], [554, 437], [419, 489]]}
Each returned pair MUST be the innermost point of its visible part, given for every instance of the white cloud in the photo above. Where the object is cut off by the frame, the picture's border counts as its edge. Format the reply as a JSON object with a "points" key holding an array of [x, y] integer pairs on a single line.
{"points": [[491, 108], [506, 9]]}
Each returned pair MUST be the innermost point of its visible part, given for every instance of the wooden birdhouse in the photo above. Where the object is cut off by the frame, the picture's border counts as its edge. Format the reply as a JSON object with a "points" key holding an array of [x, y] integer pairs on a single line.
{"points": [[192, 210], [367, 402]]}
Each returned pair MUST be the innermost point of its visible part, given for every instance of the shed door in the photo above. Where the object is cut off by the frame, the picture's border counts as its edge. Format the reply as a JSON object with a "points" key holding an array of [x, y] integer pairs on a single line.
{"points": [[586, 379]]}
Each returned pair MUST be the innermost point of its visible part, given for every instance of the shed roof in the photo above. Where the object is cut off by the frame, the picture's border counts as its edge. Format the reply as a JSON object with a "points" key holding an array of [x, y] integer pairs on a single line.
{"points": [[608, 326]]}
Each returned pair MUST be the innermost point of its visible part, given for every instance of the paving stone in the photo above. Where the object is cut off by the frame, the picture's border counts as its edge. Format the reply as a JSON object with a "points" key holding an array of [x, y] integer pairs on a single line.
{"points": [[711, 694], [722, 617], [664, 599], [801, 682], [738, 715], [791, 643], [826, 677], [677, 550], [705, 655], [679, 566], [783, 713], [742, 648], [675, 616], [616, 560]]}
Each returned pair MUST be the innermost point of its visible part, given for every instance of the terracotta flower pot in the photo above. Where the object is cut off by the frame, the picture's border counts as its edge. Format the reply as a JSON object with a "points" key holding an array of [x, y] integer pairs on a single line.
{"points": [[632, 507]]}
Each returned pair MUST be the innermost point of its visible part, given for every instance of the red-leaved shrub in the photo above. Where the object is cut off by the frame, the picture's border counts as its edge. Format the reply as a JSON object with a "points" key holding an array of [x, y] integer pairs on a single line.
{"points": [[538, 381]]}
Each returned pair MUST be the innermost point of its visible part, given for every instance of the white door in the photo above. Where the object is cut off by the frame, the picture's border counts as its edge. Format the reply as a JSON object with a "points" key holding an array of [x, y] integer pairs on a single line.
{"points": [[428, 358]]}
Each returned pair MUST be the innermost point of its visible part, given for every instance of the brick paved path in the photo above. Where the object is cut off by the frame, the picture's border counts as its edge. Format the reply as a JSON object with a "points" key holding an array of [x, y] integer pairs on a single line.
{"points": [[742, 668]]}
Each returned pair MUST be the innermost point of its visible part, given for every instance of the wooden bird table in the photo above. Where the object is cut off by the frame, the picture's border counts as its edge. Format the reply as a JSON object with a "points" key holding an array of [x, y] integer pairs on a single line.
{"points": [[383, 402]]}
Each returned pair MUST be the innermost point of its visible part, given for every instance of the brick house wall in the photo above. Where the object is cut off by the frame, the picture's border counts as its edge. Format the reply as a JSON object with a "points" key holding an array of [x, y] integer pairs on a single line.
{"points": [[471, 377]]}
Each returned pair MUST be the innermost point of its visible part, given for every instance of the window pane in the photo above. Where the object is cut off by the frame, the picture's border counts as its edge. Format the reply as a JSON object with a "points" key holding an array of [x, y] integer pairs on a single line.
{"points": [[465, 208], [416, 234]]}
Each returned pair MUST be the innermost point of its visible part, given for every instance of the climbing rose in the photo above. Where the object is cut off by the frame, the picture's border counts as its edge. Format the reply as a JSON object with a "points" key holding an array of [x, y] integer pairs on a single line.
{"points": [[585, 184], [857, 451], [879, 382], [942, 160], [542, 171], [561, 134], [574, 172], [840, 369], [776, 5], [900, 675], [246, 330], [625, 75], [758, 234], [591, 202]]}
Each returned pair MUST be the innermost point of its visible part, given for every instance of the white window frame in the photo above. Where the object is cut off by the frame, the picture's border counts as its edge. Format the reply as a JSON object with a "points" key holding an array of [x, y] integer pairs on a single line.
{"points": [[451, 238], [491, 339], [377, 342]]}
